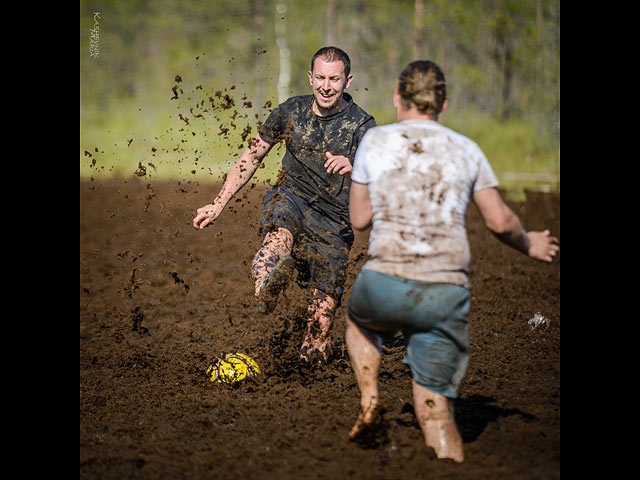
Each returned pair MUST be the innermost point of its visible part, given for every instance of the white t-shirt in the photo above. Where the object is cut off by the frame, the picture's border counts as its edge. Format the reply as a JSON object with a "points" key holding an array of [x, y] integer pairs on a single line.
{"points": [[420, 175]]}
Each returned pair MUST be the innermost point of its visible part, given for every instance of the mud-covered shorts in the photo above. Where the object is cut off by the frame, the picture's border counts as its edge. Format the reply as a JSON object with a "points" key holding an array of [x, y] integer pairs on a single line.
{"points": [[321, 245], [432, 316]]}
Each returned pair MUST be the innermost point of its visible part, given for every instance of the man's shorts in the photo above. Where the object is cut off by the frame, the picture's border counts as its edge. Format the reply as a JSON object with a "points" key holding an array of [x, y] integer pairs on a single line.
{"points": [[321, 245], [432, 316]]}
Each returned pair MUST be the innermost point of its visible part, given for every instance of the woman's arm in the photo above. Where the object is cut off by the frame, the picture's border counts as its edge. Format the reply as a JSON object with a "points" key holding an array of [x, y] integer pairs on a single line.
{"points": [[360, 212], [506, 227]]}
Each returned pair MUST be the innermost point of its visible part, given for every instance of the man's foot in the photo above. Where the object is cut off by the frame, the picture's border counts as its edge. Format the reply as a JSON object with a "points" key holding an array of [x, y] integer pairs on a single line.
{"points": [[316, 347], [278, 277]]}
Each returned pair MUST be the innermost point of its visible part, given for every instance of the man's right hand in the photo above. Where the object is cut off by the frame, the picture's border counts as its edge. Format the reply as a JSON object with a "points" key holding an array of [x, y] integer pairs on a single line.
{"points": [[206, 215]]}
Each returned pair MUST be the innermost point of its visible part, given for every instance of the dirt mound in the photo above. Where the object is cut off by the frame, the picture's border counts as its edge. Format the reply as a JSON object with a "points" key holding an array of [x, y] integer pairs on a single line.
{"points": [[160, 301]]}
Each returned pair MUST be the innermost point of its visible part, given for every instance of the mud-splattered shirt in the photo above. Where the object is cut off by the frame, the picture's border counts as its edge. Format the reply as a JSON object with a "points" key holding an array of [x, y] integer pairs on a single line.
{"points": [[307, 137], [420, 177]]}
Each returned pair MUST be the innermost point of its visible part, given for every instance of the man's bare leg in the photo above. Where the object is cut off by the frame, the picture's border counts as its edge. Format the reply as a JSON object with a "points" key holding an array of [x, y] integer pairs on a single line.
{"points": [[317, 343], [275, 252], [274, 246], [365, 354], [436, 418]]}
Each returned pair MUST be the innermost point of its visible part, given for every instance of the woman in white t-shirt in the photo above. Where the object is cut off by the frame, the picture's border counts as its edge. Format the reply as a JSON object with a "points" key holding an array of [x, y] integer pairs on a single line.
{"points": [[412, 182]]}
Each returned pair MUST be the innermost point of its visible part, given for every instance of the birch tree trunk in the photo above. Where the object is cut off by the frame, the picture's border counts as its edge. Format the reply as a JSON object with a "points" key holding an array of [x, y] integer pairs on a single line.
{"points": [[284, 77], [259, 18]]}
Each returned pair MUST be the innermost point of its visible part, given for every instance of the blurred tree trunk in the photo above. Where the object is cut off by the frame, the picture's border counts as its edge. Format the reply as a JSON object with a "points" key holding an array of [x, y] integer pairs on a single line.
{"points": [[259, 17], [285, 54], [418, 11], [331, 22], [507, 77], [538, 79], [502, 52]]}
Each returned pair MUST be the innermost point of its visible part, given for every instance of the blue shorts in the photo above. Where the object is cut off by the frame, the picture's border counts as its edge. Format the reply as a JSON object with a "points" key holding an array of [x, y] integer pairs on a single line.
{"points": [[321, 244], [432, 316]]}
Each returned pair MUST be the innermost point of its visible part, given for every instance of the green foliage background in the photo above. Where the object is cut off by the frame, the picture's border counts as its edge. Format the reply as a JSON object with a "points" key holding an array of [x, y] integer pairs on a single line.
{"points": [[501, 59]]}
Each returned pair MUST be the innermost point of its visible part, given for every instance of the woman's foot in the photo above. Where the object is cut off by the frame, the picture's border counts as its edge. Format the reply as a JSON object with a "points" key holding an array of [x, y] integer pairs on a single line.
{"points": [[368, 419]]}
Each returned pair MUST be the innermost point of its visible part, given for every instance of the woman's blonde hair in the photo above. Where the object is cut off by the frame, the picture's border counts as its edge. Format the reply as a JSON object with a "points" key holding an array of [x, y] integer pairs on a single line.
{"points": [[422, 84]]}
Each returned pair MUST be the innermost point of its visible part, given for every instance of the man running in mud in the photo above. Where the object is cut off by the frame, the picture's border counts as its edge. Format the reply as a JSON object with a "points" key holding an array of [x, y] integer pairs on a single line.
{"points": [[305, 216]]}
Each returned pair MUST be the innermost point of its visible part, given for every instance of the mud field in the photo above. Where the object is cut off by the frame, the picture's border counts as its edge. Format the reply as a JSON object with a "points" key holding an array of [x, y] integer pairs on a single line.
{"points": [[159, 301]]}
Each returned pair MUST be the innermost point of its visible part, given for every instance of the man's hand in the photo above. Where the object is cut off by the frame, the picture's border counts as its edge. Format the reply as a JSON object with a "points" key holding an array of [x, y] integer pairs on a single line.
{"points": [[206, 215], [338, 164]]}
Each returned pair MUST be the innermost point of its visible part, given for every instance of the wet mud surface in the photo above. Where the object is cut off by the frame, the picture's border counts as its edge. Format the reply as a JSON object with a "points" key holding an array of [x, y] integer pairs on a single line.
{"points": [[159, 301]]}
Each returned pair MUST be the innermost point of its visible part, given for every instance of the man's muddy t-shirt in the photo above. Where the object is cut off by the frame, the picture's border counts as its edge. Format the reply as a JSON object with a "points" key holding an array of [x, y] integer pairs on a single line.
{"points": [[420, 176], [308, 137]]}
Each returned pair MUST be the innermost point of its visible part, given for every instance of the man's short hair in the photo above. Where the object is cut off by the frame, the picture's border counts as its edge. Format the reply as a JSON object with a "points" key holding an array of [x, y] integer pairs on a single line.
{"points": [[330, 54]]}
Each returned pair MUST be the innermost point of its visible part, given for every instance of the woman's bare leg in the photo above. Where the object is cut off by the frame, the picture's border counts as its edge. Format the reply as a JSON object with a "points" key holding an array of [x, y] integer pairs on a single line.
{"points": [[365, 354], [437, 421]]}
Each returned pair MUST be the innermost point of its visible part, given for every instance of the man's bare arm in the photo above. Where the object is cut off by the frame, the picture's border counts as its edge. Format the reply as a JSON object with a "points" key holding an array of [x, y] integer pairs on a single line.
{"points": [[238, 176]]}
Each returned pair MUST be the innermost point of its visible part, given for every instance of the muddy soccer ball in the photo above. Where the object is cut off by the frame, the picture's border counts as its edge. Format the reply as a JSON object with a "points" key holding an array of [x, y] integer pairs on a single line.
{"points": [[233, 368]]}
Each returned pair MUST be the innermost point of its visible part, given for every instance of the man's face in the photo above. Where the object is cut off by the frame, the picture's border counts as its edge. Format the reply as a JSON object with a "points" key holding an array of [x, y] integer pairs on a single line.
{"points": [[328, 81]]}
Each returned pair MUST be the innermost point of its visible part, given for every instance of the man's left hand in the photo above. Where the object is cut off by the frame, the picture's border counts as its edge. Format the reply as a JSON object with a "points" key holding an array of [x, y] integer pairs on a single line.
{"points": [[338, 164]]}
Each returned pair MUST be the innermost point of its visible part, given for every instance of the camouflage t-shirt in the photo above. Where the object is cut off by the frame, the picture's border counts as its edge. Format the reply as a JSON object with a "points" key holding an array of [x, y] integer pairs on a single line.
{"points": [[307, 137]]}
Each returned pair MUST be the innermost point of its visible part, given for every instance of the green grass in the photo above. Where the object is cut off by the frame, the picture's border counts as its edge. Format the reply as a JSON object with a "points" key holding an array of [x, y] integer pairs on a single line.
{"points": [[519, 159], [158, 144], [133, 139]]}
